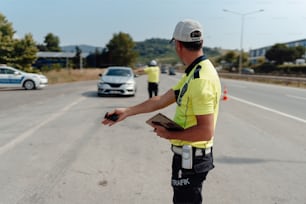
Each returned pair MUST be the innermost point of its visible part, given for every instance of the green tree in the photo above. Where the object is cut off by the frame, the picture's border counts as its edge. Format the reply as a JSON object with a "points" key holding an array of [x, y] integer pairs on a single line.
{"points": [[6, 40], [52, 42], [228, 60], [231, 57], [25, 51], [77, 58], [299, 51], [104, 58], [41, 47], [245, 57], [121, 50], [280, 53], [20, 53]]}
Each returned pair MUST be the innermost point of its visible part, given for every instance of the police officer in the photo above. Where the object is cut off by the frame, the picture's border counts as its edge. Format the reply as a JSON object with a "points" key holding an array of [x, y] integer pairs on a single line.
{"points": [[197, 97], [153, 73]]}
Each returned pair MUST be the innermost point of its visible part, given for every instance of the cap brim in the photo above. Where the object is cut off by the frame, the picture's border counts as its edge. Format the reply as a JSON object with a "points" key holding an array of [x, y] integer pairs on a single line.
{"points": [[171, 40]]}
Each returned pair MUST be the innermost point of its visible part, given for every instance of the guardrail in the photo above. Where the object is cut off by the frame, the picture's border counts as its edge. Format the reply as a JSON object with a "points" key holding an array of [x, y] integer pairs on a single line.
{"points": [[288, 81]]}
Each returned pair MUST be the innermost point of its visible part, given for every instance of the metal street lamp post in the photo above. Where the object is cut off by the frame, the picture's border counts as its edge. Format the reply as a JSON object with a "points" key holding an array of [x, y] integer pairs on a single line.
{"points": [[242, 15]]}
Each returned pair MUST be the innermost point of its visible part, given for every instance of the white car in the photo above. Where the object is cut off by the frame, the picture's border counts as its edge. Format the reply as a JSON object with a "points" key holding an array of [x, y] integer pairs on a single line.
{"points": [[14, 78], [117, 81]]}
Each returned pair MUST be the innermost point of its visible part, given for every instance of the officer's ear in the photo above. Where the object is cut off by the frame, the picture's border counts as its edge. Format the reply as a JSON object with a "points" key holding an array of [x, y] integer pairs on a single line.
{"points": [[178, 45]]}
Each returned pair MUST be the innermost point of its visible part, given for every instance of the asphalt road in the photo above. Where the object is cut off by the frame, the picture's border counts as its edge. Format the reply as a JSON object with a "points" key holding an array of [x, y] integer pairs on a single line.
{"points": [[53, 148]]}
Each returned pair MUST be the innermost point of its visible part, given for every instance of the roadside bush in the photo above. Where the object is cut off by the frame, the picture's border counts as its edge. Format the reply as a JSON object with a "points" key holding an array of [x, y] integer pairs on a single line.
{"points": [[265, 68], [292, 69]]}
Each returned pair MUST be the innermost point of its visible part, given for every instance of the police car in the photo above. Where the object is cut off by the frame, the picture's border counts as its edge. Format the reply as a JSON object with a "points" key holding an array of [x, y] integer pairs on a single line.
{"points": [[13, 78]]}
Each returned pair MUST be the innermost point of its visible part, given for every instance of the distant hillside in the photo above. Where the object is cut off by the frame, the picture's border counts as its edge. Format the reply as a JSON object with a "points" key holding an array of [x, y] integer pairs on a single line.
{"points": [[154, 48], [164, 52], [84, 48]]}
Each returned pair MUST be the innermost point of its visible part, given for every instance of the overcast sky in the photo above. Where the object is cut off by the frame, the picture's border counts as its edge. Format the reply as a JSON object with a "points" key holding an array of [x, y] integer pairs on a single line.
{"points": [[93, 22]]}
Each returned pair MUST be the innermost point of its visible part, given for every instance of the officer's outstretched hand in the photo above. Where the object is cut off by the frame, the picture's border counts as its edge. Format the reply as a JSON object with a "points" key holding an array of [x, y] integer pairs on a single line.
{"points": [[115, 116]]}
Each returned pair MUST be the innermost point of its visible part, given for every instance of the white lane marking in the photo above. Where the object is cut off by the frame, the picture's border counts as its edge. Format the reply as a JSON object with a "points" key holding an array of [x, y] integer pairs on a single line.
{"points": [[269, 109], [296, 97], [28, 133], [266, 108]]}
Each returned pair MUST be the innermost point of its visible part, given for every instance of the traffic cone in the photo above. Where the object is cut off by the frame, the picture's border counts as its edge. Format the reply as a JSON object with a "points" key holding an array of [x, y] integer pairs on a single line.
{"points": [[225, 98]]}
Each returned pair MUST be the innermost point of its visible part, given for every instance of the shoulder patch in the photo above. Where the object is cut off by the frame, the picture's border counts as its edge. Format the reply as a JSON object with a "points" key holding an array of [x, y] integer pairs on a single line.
{"points": [[196, 73]]}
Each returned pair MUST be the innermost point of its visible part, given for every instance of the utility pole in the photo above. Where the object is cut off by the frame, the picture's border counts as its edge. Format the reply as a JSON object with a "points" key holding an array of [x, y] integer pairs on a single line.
{"points": [[242, 16]]}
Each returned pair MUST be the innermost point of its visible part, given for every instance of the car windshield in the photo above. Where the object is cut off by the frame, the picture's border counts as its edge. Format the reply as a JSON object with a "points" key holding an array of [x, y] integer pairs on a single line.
{"points": [[118, 72], [4, 70]]}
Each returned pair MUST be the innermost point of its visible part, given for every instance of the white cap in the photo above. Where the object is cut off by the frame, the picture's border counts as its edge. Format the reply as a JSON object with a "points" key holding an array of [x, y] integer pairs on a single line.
{"points": [[153, 63], [188, 31]]}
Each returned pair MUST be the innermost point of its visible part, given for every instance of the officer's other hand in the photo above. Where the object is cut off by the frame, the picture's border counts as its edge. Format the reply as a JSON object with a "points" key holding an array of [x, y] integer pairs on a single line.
{"points": [[160, 131]]}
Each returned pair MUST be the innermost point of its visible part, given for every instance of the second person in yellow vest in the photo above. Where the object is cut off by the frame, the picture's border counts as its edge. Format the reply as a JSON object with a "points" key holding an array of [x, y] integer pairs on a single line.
{"points": [[153, 72]]}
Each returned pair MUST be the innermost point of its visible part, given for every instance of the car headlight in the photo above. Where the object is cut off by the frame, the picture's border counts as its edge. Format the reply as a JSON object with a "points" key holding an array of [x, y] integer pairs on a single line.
{"points": [[130, 82], [101, 82]]}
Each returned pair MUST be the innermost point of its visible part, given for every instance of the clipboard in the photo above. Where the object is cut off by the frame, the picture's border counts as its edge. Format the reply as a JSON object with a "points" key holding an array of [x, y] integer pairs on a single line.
{"points": [[162, 120]]}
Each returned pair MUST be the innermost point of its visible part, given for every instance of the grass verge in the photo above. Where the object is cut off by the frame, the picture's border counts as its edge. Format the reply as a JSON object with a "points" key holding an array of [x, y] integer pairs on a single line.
{"points": [[72, 75]]}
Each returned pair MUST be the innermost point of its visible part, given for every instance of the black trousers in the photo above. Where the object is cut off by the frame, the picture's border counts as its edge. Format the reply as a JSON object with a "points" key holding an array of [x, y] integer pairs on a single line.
{"points": [[187, 183], [152, 89]]}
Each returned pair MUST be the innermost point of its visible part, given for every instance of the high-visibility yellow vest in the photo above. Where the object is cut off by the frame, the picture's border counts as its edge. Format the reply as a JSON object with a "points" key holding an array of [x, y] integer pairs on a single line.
{"points": [[153, 73], [197, 93]]}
